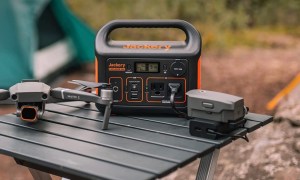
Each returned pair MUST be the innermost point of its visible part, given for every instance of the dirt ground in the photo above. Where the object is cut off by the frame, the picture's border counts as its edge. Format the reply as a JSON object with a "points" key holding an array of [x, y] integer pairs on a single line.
{"points": [[257, 75]]}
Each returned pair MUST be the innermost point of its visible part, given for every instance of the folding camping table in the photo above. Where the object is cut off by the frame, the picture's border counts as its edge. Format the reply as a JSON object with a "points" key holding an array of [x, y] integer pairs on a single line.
{"points": [[69, 142]]}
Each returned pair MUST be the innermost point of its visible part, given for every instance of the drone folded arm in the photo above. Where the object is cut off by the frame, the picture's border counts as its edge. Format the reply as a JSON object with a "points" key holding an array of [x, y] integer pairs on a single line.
{"points": [[106, 98], [4, 94], [63, 95]]}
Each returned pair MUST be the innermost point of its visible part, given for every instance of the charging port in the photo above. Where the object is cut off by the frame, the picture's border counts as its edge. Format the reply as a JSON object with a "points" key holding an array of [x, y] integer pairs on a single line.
{"points": [[157, 89], [134, 87], [134, 96]]}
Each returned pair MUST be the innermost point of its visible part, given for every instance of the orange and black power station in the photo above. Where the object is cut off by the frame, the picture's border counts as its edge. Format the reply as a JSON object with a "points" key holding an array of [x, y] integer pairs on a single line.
{"points": [[142, 73]]}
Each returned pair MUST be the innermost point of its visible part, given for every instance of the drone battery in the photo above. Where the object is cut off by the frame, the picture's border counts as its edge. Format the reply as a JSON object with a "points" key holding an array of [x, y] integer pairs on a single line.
{"points": [[215, 106], [139, 71]]}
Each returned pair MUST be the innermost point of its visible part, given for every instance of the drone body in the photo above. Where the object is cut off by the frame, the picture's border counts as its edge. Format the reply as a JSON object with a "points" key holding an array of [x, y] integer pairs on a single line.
{"points": [[31, 96]]}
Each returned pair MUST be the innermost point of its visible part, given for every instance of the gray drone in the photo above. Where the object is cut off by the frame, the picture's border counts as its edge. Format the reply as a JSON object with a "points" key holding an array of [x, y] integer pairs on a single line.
{"points": [[31, 96]]}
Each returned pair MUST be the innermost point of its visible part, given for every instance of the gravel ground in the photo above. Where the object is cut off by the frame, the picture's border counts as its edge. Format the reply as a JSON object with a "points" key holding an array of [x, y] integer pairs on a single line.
{"points": [[257, 75]]}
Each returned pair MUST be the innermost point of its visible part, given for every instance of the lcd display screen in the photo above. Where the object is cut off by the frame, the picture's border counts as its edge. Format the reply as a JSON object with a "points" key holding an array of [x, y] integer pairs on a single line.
{"points": [[143, 67]]}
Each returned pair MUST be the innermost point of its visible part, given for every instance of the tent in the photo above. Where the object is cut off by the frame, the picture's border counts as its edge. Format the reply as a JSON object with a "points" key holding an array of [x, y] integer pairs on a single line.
{"points": [[39, 37]]}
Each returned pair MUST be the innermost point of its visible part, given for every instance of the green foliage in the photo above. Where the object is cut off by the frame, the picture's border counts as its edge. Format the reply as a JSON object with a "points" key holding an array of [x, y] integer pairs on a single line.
{"points": [[222, 23]]}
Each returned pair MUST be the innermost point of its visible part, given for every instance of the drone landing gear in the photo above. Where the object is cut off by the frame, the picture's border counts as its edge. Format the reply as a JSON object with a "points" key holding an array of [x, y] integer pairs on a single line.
{"points": [[106, 117]]}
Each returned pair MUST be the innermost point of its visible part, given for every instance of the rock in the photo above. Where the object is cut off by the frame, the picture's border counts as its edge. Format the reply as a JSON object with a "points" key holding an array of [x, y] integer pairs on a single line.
{"points": [[289, 113], [295, 121], [297, 133], [297, 145], [289, 108], [290, 173]]}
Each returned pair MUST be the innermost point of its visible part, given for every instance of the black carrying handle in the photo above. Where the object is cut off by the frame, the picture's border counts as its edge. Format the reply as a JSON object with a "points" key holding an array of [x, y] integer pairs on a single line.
{"points": [[192, 35]]}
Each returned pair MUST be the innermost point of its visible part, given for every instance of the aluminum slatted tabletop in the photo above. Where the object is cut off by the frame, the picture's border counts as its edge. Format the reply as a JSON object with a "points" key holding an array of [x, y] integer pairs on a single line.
{"points": [[69, 142]]}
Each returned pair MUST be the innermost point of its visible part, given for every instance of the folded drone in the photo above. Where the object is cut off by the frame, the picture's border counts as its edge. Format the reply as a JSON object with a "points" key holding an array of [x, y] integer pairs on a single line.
{"points": [[31, 96]]}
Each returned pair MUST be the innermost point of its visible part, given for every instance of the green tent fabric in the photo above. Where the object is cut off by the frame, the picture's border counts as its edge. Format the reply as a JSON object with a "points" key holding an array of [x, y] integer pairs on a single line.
{"points": [[18, 39], [82, 36]]}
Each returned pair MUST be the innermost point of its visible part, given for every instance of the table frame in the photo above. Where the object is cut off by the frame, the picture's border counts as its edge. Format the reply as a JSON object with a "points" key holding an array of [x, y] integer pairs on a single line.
{"points": [[206, 169]]}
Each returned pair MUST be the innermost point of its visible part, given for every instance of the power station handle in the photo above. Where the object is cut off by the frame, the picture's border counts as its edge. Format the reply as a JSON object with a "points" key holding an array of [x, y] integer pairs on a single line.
{"points": [[192, 35]]}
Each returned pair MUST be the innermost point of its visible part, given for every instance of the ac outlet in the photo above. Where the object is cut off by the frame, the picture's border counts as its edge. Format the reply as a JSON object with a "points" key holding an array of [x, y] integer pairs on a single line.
{"points": [[159, 90]]}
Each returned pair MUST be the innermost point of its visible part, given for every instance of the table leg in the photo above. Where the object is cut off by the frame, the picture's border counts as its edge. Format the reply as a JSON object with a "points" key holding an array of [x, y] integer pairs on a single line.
{"points": [[39, 175], [208, 165]]}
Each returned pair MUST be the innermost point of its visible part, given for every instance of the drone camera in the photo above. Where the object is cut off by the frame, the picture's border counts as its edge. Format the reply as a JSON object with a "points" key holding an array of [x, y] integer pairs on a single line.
{"points": [[29, 113]]}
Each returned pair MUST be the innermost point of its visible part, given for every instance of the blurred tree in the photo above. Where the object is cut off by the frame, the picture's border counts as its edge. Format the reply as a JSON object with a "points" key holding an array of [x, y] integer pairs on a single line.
{"points": [[222, 23]]}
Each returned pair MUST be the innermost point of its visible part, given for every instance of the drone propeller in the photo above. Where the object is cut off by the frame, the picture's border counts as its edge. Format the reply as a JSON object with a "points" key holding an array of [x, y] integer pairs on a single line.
{"points": [[89, 84], [4, 94]]}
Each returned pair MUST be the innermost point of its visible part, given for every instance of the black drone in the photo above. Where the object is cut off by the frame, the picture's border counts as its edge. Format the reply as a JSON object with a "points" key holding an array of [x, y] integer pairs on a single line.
{"points": [[30, 97]]}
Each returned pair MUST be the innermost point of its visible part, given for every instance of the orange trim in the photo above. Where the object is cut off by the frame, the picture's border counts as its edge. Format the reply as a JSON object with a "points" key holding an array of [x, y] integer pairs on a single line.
{"points": [[29, 120], [142, 90], [166, 78], [121, 86], [96, 74], [292, 85], [199, 74]]}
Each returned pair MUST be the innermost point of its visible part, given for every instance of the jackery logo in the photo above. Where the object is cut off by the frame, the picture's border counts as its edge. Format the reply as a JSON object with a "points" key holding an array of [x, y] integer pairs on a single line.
{"points": [[147, 46], [116, 67]]}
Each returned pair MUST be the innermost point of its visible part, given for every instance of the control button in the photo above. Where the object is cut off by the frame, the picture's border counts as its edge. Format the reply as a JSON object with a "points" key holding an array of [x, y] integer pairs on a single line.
{"points": [[128, 67], [115, 88], [208, 105], [164, 67], [178, 68]]}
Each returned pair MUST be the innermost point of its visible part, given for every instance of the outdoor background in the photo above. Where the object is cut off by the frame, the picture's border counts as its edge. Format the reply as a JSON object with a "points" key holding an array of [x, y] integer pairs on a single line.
{"points": [[251, 48]]}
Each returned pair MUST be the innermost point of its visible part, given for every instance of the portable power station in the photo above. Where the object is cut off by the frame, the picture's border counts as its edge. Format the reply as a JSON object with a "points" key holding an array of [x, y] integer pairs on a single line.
{"points": [[142, 73]]}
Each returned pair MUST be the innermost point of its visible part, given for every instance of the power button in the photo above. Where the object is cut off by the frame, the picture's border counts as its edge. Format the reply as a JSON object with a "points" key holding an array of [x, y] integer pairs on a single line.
{"points": [[178, 68]]}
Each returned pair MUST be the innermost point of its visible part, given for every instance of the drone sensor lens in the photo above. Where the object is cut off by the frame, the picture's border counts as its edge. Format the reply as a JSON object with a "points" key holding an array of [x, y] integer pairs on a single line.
{"points": [[14, 97], [44, 96]]}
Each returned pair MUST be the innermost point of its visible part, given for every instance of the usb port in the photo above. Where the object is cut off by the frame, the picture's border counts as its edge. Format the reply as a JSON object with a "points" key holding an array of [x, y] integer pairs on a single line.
{"points": [[134, 96], [134, 87]]}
